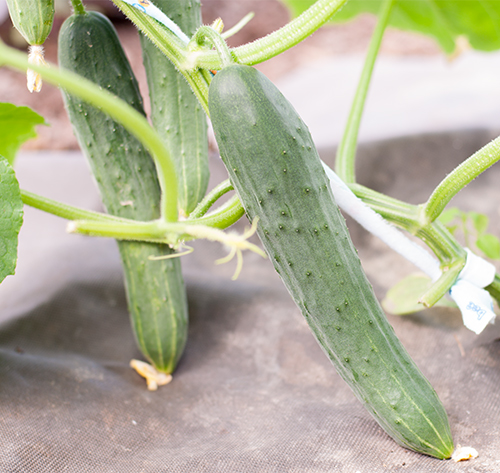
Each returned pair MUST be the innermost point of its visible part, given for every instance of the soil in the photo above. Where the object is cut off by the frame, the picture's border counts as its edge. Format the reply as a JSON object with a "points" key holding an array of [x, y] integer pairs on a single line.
{"points": [[342, 39]]}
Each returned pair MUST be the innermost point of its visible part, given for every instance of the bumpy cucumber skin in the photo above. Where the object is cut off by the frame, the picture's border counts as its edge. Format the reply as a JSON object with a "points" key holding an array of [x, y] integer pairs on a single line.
{"points": [[175, 111], [32, 18], [127, 180], [275, 169]]}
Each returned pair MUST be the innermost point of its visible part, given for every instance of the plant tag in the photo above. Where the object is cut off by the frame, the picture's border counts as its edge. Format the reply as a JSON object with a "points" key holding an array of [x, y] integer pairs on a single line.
{"points": [[154, 12], [474, 302]]}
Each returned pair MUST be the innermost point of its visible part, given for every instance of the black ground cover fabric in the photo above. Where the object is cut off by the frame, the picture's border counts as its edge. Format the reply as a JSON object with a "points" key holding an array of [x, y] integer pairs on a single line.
{"points": [[253, 391]]}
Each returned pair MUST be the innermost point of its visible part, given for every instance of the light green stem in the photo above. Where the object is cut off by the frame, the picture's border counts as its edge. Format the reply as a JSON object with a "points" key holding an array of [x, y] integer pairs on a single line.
{"points": [[223, 217], [117, 109], [207, 32], [275, 43], [458, 179], [215, 194], [171, 46], [346, 153], [160, 231], [104, 225], [63, 210], [78, 7]]}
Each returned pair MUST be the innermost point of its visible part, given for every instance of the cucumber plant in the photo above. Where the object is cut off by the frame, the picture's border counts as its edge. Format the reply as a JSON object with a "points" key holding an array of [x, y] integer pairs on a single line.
{"points": [[153, 183]]}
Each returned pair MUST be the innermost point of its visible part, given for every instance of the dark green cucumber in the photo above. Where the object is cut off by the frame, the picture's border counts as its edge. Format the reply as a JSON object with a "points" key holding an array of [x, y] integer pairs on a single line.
{"points": [[175, 111], [276, 171], [127, 180]]}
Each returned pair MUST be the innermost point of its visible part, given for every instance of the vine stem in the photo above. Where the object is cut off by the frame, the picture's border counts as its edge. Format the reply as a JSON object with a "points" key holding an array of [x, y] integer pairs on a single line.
{"points": [[128, 117], [60, 209], [215, 194], [207, 32], [171, 46], [458, 179], [277, 42], [221, 218], [78, 7], [346, 153]]}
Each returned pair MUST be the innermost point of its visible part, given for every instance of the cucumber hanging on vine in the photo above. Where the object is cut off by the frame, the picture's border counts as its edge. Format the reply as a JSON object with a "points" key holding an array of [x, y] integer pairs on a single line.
{"points": [[275, 168], [127, 180], [175, 111]]}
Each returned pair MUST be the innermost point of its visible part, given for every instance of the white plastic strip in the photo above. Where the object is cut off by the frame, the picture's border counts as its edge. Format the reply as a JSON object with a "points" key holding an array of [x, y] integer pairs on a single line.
{"points": [[154, 12], [375, 224], [474, 302]]}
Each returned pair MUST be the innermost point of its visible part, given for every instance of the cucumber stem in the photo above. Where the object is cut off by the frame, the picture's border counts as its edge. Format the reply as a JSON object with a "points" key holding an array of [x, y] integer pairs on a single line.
{"points": [[171, 46], [224, 216], [346, 152], [458, 179], [215, 194], [277, 42], [207, 32], [60, 209], [136, 123], [78, 7]]}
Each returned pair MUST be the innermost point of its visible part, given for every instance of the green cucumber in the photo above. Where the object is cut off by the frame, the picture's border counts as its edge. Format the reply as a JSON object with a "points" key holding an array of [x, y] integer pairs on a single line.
{"points": [[175, 111], [32, 18], [127, 180], [275, 168]]}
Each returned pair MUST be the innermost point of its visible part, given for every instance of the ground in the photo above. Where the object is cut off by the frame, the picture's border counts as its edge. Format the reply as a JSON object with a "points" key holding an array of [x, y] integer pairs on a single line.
{"points": [[349, 38]]}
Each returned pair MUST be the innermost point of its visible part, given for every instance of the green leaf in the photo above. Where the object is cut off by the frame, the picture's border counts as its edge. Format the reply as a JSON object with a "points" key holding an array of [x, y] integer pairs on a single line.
{"points": [[17, 125], [490, 245], [480, 222], [444, 20], [403, 298], [449, 215], [11, 218]]}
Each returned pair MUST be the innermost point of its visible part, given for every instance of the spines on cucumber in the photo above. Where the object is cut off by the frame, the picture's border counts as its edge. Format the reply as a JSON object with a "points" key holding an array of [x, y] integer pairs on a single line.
{"points": [[276, 171], [175, 111], [127, 180]]}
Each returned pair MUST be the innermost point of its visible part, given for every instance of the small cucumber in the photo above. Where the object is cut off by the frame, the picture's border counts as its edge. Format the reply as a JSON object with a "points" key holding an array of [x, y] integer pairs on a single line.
{"points": [[127, 180], [275, 168], [175, 111], [32, 18]]}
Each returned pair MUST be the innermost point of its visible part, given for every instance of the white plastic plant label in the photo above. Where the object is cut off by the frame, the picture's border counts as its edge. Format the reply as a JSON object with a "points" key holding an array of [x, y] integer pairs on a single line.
{"points": [[474, 302]]}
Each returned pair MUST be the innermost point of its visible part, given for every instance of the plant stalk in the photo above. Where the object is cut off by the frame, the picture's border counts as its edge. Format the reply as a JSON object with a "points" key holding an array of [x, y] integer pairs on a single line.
{"points": [[346, 152], [458, 179], [78, 7]]}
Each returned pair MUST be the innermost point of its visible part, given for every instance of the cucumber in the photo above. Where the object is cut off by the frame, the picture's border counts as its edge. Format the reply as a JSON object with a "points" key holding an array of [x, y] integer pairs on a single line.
{"points": [[32, 18], [175, 111], [275, 168], [127, 180]]}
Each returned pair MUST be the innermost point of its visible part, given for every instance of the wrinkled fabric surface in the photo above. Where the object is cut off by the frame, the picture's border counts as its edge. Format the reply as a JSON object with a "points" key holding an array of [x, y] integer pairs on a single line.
{"points": [[253, 391]]}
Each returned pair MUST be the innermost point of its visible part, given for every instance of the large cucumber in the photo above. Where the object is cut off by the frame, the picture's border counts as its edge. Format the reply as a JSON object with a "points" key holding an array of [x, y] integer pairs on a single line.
{"points": [[274, 166], [175, 111], [126, 176]]}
